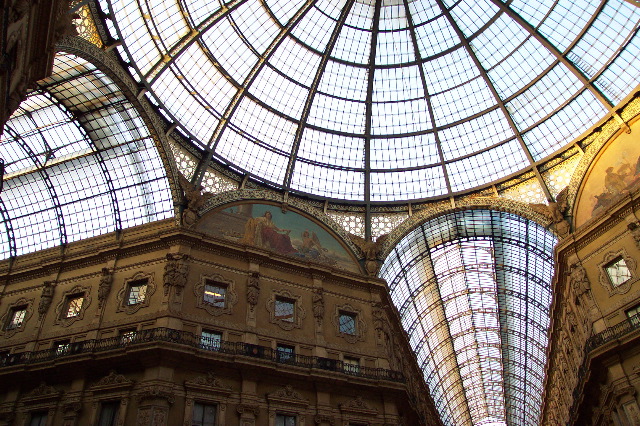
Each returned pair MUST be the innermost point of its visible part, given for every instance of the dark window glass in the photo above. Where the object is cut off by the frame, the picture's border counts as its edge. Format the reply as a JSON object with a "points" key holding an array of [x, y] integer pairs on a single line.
{"points": [[203, 414], [285, 420], [109, 413], [285, 353], [38, 418]]}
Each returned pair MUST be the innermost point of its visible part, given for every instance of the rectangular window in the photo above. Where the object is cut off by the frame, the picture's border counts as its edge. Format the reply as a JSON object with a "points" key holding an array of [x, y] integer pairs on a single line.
{"points": [[16, 318], [127, 336], [285, 353], [210, 340], [618, 271], [215, 294], [285, 420], [62, 347], [203, 414], [38, 418], [347, 323], [109, 413], [74, 305], [284, 309], [634, 315], [351, 365], [137, 292]]}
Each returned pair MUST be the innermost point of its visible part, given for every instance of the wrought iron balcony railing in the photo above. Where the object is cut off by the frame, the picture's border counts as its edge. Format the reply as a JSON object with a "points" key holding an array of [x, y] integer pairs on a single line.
{"points": [[612, 333], [133, 339]]}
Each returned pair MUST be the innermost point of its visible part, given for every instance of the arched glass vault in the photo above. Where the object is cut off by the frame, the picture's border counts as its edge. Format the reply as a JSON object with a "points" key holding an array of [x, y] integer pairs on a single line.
{"points": [[473, 289], [380, 101], [80, 162]]}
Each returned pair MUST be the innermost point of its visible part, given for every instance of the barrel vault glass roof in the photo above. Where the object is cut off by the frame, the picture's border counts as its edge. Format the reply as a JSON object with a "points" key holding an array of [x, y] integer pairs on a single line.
{"points": [[79, 163], [379, 101], [473, 290]]}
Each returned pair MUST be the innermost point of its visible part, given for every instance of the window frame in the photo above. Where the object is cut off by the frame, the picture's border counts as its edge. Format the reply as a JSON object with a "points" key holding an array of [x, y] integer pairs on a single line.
{"points": [[285, 354], [610, 259], [204, 405], [215, 280], [62, 309], [124, 294], [214, 345], [285, 296], [360, 325], [8, 328], [137, 284]]}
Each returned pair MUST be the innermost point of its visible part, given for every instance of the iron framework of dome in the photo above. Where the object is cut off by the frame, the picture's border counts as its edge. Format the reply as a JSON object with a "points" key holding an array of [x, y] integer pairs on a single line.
{"points": [[384, 100]]}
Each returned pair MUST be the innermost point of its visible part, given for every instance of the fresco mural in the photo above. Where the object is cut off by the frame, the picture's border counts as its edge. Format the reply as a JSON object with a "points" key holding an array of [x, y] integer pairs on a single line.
{"points": [[289, 233], [615, 172]]}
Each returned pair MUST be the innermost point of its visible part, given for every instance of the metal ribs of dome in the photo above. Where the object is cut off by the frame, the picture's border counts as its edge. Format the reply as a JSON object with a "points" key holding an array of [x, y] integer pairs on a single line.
{"points": [[80, 162], [380, 101], [473, 289]]}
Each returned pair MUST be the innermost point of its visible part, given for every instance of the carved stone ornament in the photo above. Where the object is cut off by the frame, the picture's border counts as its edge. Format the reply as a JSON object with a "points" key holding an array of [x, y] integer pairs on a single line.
{"points": [[208, 382], [218, 308], [634, 229], [578, 279], [248, 409], [104, 288], [360, 325], [286, 323], [605, 279], [318, 305], [195, 200], [253, 289], [359, 406], [112, 381], [42, 393], [156, 392], [46, 297], [125, 304], [61, 308], [8, 330], [324, 418], [287, 395], [176, 271]]}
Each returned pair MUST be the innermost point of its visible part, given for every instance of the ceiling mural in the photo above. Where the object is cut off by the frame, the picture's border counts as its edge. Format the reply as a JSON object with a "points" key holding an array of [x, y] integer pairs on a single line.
{"points": [[287, 233], [614, 173]]}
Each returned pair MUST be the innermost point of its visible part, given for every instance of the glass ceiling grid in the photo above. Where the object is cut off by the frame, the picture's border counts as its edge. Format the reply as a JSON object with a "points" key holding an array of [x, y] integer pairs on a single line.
{"points": [[93, 168], [480, 281], [435, 66]]}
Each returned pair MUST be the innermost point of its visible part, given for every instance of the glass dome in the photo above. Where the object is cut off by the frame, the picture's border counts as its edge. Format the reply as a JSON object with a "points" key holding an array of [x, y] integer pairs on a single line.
{"points": [[377, 101]]}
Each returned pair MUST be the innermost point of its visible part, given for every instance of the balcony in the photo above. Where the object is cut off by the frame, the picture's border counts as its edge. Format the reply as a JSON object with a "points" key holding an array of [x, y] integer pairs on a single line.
{"points": [[187, 339]]}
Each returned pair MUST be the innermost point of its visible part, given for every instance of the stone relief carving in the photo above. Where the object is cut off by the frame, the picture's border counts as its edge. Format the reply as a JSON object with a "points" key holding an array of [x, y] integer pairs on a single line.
{"points": [[208, 380], [195, 200], [287, 392], [581, 288], [371, 251], [555, 211], [46, 297], [156, 392], [318, 305], [104, 288], [634, 229], [113, 379], [253, 289], [176, 271]]}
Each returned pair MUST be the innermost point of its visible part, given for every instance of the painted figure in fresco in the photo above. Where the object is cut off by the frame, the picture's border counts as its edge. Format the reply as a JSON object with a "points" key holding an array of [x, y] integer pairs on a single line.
{"points": [[262, 232], [311, 244]]}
